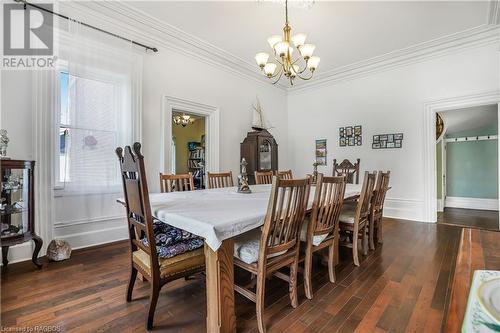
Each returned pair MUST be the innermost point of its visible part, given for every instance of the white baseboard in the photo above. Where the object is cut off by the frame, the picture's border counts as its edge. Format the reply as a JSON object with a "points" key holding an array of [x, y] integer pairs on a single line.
{"points": [[406, 209], [440, 205], [79, 234], [472, 203]]}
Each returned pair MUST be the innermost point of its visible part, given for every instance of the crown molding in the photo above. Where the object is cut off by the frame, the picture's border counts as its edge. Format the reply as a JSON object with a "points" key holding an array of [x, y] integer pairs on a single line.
{"points": [[122, 17], [494, 12], [118, 16], [475, 37]]}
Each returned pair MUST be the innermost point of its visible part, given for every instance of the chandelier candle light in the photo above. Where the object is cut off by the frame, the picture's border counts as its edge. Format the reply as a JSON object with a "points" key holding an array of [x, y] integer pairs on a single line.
{"points": [[283, 56], [183, 120]]}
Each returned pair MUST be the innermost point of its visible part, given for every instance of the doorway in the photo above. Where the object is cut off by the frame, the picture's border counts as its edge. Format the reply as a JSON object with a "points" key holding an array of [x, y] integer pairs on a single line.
{"points": [[467, 167], [188, 146], [168, 148]]}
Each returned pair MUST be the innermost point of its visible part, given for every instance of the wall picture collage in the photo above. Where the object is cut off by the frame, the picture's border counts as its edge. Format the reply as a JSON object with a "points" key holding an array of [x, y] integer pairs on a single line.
{"points": [[350, 136], [386, 141]]}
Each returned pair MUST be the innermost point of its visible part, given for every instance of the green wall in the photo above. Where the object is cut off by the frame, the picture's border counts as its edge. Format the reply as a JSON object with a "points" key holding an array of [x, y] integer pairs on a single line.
{"points": [[472, 167]]}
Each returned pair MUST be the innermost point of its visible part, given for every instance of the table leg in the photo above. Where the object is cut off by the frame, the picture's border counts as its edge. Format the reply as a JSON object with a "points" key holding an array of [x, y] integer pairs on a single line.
{"points": [[220, 288]]}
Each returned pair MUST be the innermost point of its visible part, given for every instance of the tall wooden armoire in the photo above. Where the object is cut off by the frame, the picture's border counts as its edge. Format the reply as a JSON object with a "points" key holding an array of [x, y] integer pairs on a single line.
{"points": [[260, 151]]}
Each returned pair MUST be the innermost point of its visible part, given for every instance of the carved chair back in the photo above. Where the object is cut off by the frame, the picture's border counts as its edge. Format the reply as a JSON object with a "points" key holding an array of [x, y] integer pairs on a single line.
{"points": [[285, 174], [220, 180], [284, 217], [135, 190], [327, 205], [348, 169], [173, 183], [263, 177]]}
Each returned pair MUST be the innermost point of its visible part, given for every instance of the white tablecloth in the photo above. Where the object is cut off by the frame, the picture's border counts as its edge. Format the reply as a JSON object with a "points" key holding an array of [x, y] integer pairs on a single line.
{"points": [[219, 214]]}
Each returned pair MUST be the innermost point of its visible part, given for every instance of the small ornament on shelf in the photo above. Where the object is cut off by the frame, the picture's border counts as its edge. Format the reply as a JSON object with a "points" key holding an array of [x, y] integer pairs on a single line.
{"points": [[243, 179]]}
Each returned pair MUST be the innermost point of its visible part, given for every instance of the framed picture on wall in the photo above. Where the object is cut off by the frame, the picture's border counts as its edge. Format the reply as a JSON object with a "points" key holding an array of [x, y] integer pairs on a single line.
{"points": [[357, 130]]}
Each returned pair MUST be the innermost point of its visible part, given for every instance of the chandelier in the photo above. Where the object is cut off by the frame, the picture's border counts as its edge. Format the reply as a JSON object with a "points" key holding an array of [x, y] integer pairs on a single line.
{"points": [[282, 50], [182, 120]]}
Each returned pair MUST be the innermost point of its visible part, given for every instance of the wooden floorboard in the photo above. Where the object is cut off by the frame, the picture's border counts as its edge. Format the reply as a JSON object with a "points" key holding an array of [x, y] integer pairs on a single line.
{"points": [[402, 286], [481, 219]]}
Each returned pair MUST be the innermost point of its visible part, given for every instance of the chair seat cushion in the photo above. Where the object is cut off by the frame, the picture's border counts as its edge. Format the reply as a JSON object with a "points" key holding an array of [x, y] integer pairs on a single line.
{"points": [[183, 262], [172, 241], [166, 235], [318, 239], [347, 216], [247, 247]]}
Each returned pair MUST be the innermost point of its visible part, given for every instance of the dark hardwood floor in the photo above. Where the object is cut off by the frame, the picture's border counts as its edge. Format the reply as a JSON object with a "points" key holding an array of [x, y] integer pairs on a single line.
{"points": [[472, 218], [401, 286]]}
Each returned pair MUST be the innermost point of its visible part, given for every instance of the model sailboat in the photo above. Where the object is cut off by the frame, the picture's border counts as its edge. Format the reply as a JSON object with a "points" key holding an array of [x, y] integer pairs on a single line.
{"points": [[259, 123]]}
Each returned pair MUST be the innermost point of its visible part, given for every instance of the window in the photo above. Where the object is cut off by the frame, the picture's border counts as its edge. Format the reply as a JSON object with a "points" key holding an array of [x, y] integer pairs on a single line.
{"points": [[89, 128]]}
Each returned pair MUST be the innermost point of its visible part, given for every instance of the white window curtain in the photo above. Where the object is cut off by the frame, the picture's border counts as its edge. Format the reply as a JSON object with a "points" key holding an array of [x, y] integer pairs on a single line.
{"points": [[99, 109]]}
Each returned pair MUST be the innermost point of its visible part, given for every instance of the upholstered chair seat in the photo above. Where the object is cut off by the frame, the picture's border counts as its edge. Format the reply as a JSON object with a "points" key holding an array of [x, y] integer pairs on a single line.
{"points": [[347, 216], [318, 239], [247, 247], [174, 265]]}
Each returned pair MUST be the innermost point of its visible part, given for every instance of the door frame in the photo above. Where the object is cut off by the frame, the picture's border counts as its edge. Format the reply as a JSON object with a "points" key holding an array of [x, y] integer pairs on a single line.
{"points": [[212, 118], [430, 110]]}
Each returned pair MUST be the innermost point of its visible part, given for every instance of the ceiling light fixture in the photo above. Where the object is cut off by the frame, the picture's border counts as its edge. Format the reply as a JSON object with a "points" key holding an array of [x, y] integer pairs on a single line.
{"points": [[183, 120], [283, 51]]}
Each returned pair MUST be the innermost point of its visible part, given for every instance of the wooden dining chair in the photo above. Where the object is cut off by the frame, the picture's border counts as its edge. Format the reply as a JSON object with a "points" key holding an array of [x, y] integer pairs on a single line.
{"points": [[219, 180], [263, 177], [354, 222], [285, 174], [346, 167], [264, 252], [144, 256], [173, 183], [377, 208], [321, 230]]}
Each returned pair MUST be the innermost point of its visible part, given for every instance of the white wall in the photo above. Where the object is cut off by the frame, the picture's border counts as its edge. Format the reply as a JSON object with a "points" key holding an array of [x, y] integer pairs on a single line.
{"points": [[386, 102], [198, 82], [95, 219]]}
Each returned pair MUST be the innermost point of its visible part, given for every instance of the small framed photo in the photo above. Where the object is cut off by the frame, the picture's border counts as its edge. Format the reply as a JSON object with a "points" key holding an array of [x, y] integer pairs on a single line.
{"points": [[383, 144], [348, 131], [390, 144], [383, 137], [357, 130], [351, 141], [342, 142], [398, 136], [376, 138], [398, 143], [390, 137], [376, 145], [341, 131], [358, 140]]}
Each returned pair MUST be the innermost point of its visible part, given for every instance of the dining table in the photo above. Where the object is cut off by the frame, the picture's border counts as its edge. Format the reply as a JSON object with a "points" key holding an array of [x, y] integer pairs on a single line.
{"points": [[219, 215]]}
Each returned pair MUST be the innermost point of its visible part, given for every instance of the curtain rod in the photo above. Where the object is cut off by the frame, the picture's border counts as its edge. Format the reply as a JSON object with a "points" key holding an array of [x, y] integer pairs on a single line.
{"points": [[26, 3]]}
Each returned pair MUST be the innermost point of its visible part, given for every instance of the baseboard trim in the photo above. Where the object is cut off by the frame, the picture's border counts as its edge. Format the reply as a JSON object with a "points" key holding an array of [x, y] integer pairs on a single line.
{"points": [[440, 205], [22, 252], [405, 209], [472, 203]]}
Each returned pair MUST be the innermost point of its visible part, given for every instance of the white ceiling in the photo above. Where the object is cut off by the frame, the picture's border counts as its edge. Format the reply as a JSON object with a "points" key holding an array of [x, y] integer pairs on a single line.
{"points": [[469, 119], [344, 32]]}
